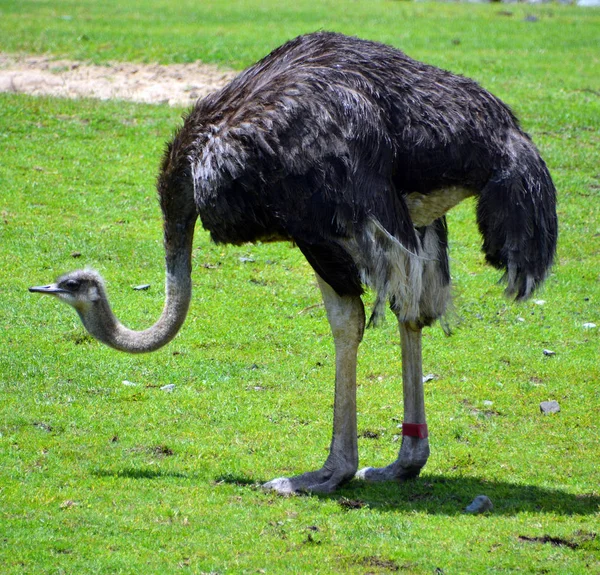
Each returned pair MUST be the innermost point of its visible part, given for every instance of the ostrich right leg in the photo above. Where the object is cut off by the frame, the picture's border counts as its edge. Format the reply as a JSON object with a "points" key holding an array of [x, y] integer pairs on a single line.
{"points": [[414, 451], [346, 317], [435, 295]]}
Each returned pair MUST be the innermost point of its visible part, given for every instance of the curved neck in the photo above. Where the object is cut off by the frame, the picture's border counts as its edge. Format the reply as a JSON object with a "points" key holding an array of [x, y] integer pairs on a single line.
{"points": [[101, 322]]}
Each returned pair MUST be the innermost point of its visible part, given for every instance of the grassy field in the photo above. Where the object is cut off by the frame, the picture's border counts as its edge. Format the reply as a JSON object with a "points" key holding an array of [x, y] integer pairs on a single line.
{"points": [[97, 476]]}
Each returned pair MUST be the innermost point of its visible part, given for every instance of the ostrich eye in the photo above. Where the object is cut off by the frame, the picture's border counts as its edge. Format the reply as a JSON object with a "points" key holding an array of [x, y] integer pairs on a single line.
{"points": [[72, 285]]}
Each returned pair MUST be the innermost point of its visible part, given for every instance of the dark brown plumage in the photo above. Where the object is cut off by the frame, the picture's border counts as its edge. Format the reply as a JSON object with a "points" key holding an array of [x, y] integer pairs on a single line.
{"points": [[355, 152]]}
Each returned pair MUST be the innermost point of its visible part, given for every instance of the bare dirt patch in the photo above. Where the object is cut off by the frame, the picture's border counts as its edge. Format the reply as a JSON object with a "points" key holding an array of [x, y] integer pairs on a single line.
{"points": [[176, 84]]}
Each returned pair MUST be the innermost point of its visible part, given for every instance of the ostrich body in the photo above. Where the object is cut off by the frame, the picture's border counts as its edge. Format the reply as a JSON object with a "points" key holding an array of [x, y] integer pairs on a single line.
{"points": [[355, 152]]}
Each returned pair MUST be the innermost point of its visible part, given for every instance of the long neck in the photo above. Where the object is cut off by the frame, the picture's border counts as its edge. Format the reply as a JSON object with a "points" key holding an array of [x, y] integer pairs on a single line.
{"points": [[103, 325]]}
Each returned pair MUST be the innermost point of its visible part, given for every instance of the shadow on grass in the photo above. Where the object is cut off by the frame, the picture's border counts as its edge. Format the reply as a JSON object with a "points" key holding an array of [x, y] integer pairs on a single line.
{"points": [[235, 479], [439, 495], [138, 473], [434, 494]]}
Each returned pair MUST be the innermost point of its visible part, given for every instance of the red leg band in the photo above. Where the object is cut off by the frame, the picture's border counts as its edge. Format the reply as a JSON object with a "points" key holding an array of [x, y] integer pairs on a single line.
{"points": [[415, 430]]}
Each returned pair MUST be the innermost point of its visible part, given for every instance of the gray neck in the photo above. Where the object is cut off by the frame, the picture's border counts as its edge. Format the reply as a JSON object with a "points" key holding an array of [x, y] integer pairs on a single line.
{"points": [[101, 322]]}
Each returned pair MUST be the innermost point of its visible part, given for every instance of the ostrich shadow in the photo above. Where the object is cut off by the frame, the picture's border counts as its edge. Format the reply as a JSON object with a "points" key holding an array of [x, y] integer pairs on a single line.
{"points": [[432, 494], [441, 495]]}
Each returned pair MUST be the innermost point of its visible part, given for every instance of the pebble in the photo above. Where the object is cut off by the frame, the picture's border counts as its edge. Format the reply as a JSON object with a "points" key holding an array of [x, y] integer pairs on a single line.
{"points": [[549, 352], [480, 504], [129, 383], [549, 407], [589, 325], [142, 287], [168, 387]]}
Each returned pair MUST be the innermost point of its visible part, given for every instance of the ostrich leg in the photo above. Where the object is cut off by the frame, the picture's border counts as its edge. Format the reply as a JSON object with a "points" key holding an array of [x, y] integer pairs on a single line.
{"points": [[347, 320], [415, 445], [435, 296]]}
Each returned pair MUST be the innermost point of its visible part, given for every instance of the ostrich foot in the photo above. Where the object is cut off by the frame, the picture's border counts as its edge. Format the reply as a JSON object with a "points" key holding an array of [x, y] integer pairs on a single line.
{"points": [[411, 459], [324, 480]]}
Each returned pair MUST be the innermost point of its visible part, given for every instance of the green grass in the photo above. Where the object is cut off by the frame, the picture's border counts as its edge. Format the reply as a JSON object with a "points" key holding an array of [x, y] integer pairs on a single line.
{"points": [[100, 477]]}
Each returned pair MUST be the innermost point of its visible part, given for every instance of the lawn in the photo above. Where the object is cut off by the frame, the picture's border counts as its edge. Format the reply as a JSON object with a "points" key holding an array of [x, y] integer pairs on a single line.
{"points": [[102, 476]]}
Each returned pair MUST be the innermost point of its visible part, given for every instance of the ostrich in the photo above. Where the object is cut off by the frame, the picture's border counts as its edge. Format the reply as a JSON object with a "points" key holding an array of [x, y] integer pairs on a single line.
{"points": [[354, 152]]}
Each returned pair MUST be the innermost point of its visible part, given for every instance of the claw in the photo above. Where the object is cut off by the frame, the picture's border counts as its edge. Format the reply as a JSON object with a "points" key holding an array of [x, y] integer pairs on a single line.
{"points": [[281, 485]]}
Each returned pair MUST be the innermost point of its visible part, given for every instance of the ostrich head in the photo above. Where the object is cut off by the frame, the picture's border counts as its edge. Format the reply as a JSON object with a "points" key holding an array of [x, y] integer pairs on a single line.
{"points": [[82, 289]]}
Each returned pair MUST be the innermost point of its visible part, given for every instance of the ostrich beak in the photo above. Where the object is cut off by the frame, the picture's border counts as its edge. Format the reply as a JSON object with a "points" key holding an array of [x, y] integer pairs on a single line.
{"points": [[49, 289]]}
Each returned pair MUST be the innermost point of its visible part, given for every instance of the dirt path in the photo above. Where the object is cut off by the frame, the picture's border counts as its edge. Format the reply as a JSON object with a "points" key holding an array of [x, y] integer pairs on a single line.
{"points": [[177, 84]]}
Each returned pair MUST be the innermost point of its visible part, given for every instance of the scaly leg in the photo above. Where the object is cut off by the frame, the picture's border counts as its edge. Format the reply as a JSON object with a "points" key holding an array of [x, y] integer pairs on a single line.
{"points": [[347, 320], [415, 445]]}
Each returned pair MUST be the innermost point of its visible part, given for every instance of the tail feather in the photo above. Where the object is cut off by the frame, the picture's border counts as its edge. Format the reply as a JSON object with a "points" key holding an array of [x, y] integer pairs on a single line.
{"points": [[516, 214]]}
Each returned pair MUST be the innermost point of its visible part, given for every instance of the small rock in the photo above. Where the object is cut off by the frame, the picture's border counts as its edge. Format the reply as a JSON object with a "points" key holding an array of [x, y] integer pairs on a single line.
{"points": [[589, 325], [142, 287], [549, 352], [480, 504], [488, 403], [128, 383], [169, 387], [520, 319], [539, 301], [549, 407], [428, 377], [245, 260]]}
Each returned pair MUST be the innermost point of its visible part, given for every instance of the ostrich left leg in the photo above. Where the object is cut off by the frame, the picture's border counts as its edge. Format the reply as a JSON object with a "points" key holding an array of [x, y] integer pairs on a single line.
{"points": [[347, 320]]}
